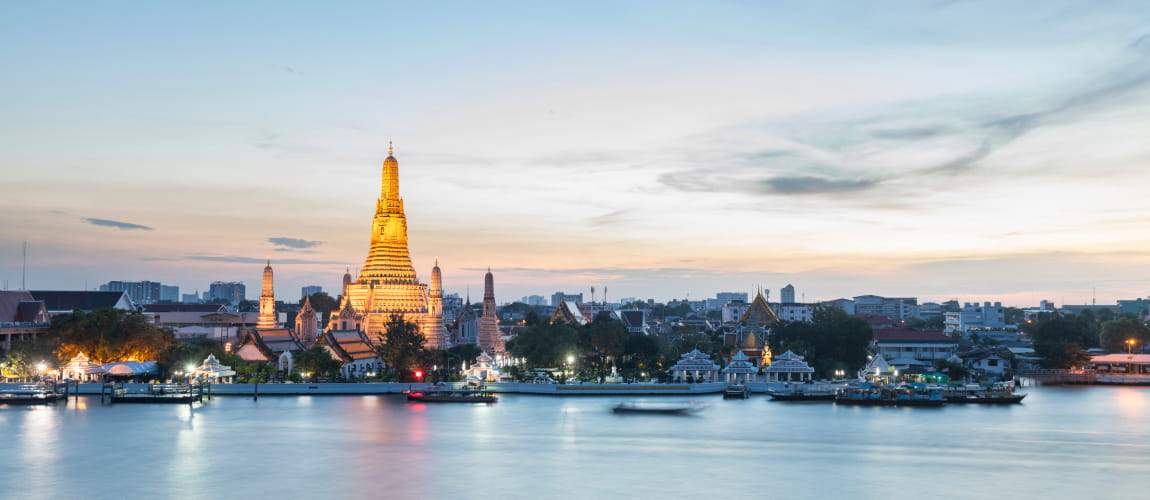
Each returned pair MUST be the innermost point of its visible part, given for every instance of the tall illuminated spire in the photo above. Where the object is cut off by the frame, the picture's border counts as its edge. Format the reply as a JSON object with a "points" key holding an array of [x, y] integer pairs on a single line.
{"points": [[387, 283], [490, 338], [267, 317]]}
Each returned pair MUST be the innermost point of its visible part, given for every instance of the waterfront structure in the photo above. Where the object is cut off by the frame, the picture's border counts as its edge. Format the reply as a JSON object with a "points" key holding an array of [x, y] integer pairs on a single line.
{"points": [[906, 348], [1122, 368], [741, 370], [214, 372], [267, 319], [387, 284], [695, 367], [483, 369], [789, 367], [307, 323], [81, 369], [22, 317], [490, 339]]}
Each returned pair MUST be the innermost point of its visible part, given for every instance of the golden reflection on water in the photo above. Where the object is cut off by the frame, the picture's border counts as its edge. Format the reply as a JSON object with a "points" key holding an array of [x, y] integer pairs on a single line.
{"points": [[1130, 403]]}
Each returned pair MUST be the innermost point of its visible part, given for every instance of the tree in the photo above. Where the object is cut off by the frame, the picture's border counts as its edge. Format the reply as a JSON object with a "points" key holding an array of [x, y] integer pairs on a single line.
{"points": [[317, 361], [108, 335], [1062, 342], [546, 344], [402, 346], [178, 355], [833, 340], [605, 337], [1115, 334]]}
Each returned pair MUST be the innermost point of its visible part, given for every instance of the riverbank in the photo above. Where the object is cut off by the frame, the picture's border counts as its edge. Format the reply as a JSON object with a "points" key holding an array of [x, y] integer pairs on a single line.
{"points": [[383, 388]]}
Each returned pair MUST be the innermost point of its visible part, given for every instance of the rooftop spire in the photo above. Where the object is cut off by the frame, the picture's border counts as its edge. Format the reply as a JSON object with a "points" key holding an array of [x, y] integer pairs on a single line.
{"points": [[390, 148]]}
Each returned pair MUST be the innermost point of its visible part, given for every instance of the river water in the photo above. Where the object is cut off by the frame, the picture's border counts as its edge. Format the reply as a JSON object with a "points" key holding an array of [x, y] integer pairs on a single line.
{"points": [[1062, 442]]}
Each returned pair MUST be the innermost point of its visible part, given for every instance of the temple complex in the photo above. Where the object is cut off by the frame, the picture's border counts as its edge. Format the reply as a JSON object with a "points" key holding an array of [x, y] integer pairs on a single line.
{"points": [[267, 318], [490, 338], [387, 283]]}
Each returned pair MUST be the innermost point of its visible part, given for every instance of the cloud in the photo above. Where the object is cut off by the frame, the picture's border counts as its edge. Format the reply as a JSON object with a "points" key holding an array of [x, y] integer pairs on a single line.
{"points": [[123, 226], [293, 242], [250, 260], [812, 185]]}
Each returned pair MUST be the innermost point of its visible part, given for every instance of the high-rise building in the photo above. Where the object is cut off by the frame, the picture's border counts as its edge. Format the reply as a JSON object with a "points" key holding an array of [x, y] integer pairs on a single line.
{"points": [[309, 290], [267, 317], [534, 300], [722, 298], [787, 294], [191, 298], [233, 292], [387, 283], [490, 338], [141, 292], [170, 293], [573, 298]]}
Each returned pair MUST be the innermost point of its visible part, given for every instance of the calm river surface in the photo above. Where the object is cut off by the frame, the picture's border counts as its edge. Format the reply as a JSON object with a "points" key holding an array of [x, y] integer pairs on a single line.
{"points": [[1077, 442]]}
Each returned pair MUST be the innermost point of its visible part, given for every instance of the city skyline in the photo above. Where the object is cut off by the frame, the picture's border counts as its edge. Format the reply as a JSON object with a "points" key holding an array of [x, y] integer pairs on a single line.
{"points": [[966, 150]]}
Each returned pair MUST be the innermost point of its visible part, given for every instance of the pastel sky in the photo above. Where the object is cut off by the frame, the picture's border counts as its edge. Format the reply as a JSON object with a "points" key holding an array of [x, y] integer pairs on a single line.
{"points": [[974, 150]]}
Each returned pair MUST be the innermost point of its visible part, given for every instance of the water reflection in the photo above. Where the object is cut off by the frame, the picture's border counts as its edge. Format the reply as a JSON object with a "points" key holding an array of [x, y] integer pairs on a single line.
{"points": [[368, 446]]}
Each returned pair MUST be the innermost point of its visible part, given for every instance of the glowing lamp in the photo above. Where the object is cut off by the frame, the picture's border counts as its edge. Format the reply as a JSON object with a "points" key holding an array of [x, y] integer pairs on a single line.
{"points": [[418, 373]]}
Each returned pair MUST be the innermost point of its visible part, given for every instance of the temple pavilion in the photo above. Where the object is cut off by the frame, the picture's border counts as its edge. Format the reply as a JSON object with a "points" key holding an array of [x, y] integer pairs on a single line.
{"points": [[483, 369], [789, 367], [741, 370], [81, 369], [753, 329], [696, 367], [212, 371]]}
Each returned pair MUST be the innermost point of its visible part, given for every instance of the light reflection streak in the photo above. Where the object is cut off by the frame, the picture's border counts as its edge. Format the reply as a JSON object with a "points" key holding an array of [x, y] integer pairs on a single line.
{"points": [[1086, 443]]}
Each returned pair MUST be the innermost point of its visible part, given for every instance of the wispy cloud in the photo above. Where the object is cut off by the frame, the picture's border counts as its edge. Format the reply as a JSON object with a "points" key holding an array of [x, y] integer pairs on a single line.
{"points": [[811, 185], [123, 226], [293, 242], [251, 260]]}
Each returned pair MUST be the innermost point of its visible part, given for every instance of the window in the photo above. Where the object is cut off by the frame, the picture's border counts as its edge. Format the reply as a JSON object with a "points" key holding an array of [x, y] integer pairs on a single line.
{"points": [[992, 362]]}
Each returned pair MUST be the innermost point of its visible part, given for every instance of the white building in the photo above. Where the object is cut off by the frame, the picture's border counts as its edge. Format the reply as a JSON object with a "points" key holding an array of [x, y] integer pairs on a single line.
{"points": [[974, 316], [795, 312]]}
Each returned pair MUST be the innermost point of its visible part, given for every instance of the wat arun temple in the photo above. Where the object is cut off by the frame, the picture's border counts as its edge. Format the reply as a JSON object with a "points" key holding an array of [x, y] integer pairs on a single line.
{"points": [[387, 283]]}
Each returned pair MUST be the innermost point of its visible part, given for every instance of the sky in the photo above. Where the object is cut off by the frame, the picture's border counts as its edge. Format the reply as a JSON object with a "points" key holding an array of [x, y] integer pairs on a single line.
{"points": [[942, 150]]}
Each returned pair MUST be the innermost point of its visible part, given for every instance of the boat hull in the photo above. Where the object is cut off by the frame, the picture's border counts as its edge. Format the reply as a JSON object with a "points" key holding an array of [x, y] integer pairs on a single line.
{"points": [[802, 397], [434, 398], [987, 400]]}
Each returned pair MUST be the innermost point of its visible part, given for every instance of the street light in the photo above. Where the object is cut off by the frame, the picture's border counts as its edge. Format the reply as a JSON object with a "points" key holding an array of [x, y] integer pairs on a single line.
{"points": [[1129, 346]]}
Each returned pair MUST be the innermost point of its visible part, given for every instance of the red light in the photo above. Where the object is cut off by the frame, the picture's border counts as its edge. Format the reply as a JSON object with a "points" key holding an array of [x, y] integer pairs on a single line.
{"points": [[418, 373]]}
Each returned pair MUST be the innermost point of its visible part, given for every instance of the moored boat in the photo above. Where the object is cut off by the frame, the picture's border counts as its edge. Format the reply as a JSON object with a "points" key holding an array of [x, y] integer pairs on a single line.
{"points": [[32, 394], [637, 409], [910, 395], [995, 394], [736, 391], [803, 395], [442, 395]]}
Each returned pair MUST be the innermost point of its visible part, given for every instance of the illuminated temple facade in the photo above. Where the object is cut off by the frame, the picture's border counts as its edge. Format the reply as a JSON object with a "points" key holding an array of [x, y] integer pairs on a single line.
{"points": [[387, 283]]}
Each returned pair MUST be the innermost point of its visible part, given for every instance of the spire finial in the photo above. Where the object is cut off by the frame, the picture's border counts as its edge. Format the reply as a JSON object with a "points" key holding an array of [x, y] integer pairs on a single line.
{"points": [[390, 149]]}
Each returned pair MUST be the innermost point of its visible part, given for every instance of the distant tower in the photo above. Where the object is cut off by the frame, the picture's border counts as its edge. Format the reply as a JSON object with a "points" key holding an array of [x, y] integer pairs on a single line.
{"points": [[267, 319], [306, 323], [435, 294], [787, 294], [489, 337], [346, 281]]}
